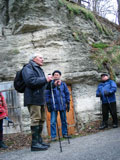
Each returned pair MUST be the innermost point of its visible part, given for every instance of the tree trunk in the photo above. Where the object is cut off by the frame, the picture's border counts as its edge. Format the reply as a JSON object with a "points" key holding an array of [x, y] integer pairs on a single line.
{"points": [[79, 2], [5, 12], [118, 2], [95, 6]]}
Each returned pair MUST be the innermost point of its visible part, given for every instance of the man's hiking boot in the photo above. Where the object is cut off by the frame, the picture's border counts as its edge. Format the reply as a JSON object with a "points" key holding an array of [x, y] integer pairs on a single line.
{"points": [[53, 139], [40, 140], [2, 145], [36, 146], [115, 126], [103, 126], [66, 136]]}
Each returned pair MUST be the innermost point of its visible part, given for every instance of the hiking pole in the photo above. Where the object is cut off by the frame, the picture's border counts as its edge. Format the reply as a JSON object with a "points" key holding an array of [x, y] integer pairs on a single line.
{"points": [[56, 117], [65, 119], [58, 135], [67, 129]]}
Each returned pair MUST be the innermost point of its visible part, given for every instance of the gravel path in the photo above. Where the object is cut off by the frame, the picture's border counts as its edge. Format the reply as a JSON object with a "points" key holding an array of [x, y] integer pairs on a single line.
{"points": [[100, 146]]}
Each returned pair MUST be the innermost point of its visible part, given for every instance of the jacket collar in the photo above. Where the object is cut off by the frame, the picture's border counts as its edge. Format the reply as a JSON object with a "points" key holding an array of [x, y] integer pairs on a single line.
{"points": [[105, 81], [34, 64]]}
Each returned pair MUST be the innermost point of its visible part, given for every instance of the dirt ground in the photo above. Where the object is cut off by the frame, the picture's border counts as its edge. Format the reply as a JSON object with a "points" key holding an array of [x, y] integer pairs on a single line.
{"points": [[21, 140]]}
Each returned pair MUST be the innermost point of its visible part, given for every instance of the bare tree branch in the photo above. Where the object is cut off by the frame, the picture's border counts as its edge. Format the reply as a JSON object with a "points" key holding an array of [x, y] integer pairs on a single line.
{"points": [[103, 7]]}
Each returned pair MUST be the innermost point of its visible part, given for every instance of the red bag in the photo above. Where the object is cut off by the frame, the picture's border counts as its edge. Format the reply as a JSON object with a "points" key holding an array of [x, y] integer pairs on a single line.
{"points": [[3, 107]]}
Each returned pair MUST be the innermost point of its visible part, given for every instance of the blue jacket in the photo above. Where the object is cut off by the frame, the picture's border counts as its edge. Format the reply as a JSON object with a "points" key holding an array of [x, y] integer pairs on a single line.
{"points": [[60, 96], [35, 81], [109, 86]]}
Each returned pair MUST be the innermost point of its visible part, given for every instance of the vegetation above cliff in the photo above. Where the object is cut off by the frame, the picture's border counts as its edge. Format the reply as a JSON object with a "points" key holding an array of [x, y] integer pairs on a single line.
{"points": [[76, 9], [106, 56]]}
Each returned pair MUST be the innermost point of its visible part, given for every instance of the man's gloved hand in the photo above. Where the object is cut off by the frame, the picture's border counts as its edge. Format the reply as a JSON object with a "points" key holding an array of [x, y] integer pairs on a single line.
{"points": [[68, 107], [99, 95], [49, 107], [106, 93]]}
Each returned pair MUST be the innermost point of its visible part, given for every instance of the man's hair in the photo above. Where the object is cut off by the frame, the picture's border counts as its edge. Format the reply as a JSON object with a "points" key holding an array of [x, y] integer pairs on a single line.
{"points": [[33, 55]]}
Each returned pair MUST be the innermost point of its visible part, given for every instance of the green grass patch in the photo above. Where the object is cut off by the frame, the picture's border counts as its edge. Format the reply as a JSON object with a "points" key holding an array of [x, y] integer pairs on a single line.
{"points": [[14, 51], [100, 45]]}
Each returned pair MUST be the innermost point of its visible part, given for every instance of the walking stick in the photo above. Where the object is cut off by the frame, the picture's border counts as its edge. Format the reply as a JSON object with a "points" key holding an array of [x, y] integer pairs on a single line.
{"points": [[59, 136], [64, 114], [56, 117], [67, 129]]}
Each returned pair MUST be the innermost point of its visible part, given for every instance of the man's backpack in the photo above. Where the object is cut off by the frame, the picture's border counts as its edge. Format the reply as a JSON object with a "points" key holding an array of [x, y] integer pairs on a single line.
{"points": [[19, 83]]}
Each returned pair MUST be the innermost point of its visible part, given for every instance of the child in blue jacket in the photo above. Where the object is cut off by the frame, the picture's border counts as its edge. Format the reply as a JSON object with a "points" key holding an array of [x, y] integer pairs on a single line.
{"points": [[106, 91]]}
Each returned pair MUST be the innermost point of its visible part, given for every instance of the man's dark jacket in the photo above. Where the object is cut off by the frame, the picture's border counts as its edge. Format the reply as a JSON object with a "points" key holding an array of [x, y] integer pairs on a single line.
{"points": [[108, 86], [35, 81], [60, 95]]}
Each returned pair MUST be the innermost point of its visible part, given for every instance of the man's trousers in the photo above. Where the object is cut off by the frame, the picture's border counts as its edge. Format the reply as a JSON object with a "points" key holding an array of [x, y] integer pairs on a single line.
{"points": [[54, 121], [109, 107], [37, 115]]}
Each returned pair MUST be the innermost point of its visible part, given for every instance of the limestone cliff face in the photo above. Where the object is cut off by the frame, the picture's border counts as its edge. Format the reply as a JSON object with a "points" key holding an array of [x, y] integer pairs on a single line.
{"points": [[27, 26]]}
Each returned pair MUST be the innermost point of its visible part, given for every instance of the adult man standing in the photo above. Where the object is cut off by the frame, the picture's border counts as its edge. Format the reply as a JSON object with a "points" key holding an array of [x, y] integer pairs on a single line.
{"points": [[58, 99], [106, 91], [34, 98]]}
